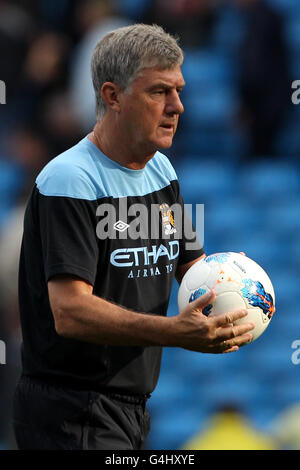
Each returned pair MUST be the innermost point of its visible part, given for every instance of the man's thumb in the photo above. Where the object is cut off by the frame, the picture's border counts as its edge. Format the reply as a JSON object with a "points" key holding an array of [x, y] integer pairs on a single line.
{"points": [[204, 300]]}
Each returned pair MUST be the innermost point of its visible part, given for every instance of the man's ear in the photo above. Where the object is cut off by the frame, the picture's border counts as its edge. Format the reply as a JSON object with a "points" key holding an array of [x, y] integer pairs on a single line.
{"points": [[110, 94]]}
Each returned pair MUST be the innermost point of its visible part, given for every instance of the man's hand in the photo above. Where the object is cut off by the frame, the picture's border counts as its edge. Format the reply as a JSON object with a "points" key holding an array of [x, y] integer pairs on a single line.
{"points": [[212, 334]]}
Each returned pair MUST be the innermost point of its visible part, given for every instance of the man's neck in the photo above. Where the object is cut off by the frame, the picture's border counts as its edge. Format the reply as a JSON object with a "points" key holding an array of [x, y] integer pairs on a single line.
{"points": [[107, 138]]}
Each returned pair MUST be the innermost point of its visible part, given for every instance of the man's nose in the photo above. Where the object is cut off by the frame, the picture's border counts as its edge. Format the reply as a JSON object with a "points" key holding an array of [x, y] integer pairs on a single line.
{"points": [[174, 104]]}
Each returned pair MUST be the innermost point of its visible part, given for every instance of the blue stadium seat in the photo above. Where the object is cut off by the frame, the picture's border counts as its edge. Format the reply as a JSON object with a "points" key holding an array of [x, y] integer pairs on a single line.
{"points": [[231, 215], [263, 249], [197, 368], [285, 6], [292, 33], [11, 179], [209, 96], [229, 29], [176, 426], [202, 67], [293, 251], [201, 179], [240, 389], [282, 331], [269, 181], [286, 282], [213, 106], [288, 141], [286, 392], [170, 389], [221, 143], [283, 218]]}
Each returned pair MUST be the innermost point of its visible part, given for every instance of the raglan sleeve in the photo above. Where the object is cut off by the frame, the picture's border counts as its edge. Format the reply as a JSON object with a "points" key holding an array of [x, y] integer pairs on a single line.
{"points": [[67, 224]]}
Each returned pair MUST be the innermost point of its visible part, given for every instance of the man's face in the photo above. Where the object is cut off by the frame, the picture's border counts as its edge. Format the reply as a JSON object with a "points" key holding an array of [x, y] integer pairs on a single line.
{"points": [[150, 108]]}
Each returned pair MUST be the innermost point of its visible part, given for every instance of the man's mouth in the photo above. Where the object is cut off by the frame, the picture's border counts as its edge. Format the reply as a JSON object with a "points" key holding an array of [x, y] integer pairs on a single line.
{"points": [[167, 126]]}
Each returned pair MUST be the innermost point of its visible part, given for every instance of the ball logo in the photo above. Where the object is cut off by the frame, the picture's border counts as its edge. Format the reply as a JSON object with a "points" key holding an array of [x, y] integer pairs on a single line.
{"points": [[195, 295], [256, 295], [217, 258]]}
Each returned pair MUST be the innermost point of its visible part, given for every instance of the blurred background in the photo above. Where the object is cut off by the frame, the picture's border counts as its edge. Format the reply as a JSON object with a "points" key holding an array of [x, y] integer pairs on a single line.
{"points": [[237, 151]]}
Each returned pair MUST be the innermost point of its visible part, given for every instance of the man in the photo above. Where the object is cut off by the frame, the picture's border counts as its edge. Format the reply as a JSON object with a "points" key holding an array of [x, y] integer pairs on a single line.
{"points": [[93, 299]]}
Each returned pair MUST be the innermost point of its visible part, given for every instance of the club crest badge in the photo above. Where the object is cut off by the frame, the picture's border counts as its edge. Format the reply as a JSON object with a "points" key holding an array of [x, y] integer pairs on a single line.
{"points": [[167, 219]]}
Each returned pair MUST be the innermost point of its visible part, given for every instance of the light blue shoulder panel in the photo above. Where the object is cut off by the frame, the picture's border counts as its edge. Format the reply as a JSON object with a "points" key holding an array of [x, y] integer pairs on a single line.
{"points": [[84, 172]]}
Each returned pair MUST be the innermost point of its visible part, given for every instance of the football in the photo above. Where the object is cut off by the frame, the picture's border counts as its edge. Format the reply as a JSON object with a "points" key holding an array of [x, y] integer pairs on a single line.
{"points": [[239, 282]]}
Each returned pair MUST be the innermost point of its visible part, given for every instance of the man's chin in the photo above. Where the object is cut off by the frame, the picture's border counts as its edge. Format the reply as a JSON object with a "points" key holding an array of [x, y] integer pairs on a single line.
{"points": [[165, 143]]}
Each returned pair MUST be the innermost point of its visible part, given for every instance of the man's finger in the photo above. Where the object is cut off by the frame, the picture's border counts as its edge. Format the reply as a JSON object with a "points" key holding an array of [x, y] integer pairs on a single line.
{"points": [[230, 317], [225, 333], [233, 349], [238, 341]]}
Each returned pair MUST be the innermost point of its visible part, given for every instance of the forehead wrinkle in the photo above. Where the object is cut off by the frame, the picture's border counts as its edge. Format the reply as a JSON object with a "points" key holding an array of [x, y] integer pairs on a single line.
{"points": [[152, 78]]}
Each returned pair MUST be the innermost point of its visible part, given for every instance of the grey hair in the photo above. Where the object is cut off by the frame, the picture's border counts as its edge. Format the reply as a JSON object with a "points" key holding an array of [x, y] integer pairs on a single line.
{"points": [[120, 56]]}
